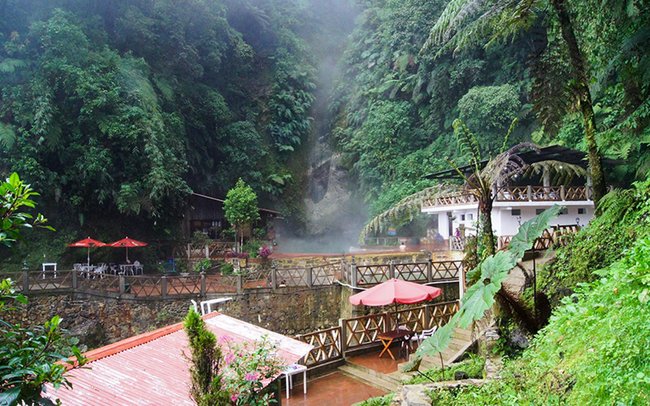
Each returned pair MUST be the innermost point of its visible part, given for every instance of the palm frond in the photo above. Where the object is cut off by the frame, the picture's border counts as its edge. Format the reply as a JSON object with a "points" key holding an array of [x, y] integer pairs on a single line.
{"points": [[506, 165], [467, 142], [409, 206], [561, 172], [450, 20]]}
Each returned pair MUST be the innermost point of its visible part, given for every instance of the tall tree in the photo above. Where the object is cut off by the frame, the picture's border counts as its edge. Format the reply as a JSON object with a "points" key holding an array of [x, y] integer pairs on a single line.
{"points": [[504, 18], [241, 208]]}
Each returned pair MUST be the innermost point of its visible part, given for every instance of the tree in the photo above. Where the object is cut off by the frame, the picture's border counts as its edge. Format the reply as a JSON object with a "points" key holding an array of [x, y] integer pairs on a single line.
{"points": [[482, 295], [506, 18], [206, 363], [29, 358], [241, 208]]}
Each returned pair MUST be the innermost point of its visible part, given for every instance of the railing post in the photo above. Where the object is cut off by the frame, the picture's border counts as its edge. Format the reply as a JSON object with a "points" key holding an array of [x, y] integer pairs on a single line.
{"points": [[240, 283], [274, 277], [75, 282], [391, 269], [25, 281], [562, 193], [203, 284], [529, 193], [461, 282], [163, 286], [429, 270], [207, 251], [353, 273], [342, 337], [310, 276], [122, 285]]}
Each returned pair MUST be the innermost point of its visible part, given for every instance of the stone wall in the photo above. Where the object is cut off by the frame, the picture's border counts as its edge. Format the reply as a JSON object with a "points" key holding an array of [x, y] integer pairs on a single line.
{"points": [[97, 321]]}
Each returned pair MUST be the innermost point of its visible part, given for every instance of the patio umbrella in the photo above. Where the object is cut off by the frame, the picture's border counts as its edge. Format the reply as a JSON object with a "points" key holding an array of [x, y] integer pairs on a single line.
{"points": [[87, 243], [395, 291], [128, 243]]}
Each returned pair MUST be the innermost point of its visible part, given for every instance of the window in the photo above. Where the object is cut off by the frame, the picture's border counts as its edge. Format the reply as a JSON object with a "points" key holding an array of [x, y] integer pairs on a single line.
{"points": [[462, 217], [470, 216], [515, 212], [564, 210], [539, 211], [581, 210]]}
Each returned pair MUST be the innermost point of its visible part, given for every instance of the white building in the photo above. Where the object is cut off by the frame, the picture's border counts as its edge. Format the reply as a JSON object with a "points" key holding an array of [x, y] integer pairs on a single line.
{"points": [[512, 207], [457, 214]]}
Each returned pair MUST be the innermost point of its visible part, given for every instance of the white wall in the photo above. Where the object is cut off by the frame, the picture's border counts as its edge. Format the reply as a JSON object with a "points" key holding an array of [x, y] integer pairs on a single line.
{"points": [[504, 223], [508, 224]]}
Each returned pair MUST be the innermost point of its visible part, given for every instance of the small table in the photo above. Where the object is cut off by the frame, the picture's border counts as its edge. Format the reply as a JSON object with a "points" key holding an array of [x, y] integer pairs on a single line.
{"points": [[48, 267], [294, 369], [388, 338]]}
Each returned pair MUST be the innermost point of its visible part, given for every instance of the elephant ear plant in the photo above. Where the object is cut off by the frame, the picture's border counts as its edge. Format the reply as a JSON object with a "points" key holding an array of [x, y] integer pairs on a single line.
{"points": [[481, 296]]}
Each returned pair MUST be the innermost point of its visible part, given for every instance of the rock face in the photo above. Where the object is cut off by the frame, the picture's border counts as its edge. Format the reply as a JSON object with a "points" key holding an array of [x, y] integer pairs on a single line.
{"points": [[330, 205]]}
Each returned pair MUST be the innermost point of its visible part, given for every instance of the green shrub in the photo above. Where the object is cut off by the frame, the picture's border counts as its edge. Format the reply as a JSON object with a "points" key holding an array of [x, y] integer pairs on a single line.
{"points": [[625, 217], [473, 367], [378, 401], [593, 351]]}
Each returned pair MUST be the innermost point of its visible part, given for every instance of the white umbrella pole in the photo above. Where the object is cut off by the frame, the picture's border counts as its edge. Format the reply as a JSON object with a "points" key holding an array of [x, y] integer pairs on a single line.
{"points": [[88, 258], [127, 255]]}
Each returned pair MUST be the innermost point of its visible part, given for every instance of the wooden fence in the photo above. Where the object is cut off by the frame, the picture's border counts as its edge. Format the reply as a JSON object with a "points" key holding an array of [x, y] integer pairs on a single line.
{"points": [[424, 272], [355, 333]]}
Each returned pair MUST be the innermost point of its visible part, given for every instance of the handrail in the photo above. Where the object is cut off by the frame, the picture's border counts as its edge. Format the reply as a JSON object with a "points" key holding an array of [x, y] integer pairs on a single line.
{"points": [[518, 194]]}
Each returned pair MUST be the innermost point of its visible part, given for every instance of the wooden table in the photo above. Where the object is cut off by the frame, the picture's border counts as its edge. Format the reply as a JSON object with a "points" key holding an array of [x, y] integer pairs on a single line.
{"points": [[388, 338]]}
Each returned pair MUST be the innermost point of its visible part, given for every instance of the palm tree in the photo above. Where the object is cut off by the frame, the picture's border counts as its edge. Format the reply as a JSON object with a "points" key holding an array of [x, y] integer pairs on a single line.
{"points": [[505, 18], [484, 182]]}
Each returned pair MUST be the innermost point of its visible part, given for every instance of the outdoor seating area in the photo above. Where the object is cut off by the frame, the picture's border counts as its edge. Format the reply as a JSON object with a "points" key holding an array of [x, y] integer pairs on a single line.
{"points": [[99, 270]]}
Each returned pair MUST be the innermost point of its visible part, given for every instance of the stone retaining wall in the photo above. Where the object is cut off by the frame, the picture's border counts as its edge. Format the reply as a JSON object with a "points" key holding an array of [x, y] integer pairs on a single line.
{"points": [[97, 321]]}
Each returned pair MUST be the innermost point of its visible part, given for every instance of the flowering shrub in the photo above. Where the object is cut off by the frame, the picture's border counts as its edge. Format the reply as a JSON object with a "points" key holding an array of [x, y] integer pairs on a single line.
{"points": [[247, 367], [241, 255], [265, 252]]}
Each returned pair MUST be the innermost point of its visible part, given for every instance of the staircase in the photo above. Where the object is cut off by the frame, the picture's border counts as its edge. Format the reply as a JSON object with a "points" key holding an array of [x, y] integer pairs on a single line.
{"points": [[461, 340], [387, 382]]}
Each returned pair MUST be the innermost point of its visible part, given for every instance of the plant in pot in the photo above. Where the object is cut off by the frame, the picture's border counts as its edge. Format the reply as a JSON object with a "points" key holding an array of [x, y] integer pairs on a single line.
{"points": [[203, 265]]}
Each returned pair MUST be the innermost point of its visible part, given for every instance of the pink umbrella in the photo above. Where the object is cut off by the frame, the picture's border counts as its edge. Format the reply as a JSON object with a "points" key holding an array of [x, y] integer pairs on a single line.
{"points": [[395, 291], [128, 243], [87, 243]]}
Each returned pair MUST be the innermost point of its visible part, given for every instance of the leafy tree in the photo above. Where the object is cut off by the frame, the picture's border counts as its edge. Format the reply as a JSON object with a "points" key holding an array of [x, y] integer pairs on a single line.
{"points": [[29, 358], [207, 386], [240, 207]]}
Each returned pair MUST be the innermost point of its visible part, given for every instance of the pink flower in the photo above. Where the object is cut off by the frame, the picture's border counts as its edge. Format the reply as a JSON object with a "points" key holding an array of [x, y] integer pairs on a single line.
{"points": [[251, 376], [229, 358], [234, 397]]}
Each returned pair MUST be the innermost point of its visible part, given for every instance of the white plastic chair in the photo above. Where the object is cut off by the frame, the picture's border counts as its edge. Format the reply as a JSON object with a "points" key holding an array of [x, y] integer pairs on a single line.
{"points": [[424, 335]]}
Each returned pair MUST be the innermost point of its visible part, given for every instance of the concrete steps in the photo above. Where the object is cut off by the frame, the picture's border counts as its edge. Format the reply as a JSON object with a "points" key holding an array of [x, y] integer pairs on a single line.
{"points": [[387, 382], [460, 342]]}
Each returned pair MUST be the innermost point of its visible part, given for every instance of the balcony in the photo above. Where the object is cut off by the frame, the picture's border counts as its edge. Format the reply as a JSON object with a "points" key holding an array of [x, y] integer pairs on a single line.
{"points": [[517, 194]]}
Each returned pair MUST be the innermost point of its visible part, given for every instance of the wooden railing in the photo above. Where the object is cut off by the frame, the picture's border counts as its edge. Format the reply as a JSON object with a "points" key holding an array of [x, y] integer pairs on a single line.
{"points": [[558, 235], [426, 271], [518, 194], [327, 343], [164, 286], [359, 332]]}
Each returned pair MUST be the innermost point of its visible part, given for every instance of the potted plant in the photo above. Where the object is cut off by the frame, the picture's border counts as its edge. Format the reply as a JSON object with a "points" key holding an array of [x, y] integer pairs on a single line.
{"points": [[202, 265]]}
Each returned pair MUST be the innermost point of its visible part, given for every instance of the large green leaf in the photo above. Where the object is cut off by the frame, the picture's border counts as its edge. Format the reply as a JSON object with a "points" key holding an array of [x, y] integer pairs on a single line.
{"points": [[531, 230], [480, 297]]}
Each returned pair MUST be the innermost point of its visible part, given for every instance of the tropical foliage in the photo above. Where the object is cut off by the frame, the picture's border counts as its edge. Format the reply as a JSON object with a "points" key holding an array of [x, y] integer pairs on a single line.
{"points": [[240, 206], [30, 358]]}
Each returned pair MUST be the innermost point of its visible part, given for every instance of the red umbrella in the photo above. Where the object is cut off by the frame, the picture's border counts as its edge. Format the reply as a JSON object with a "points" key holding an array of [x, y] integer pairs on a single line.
{"points": [[395, 291], [87, 243], [128, 243]]}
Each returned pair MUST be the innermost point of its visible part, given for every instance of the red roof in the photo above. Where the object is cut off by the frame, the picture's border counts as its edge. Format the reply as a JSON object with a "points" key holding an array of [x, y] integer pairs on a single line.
{"points": [[153, 368]]}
